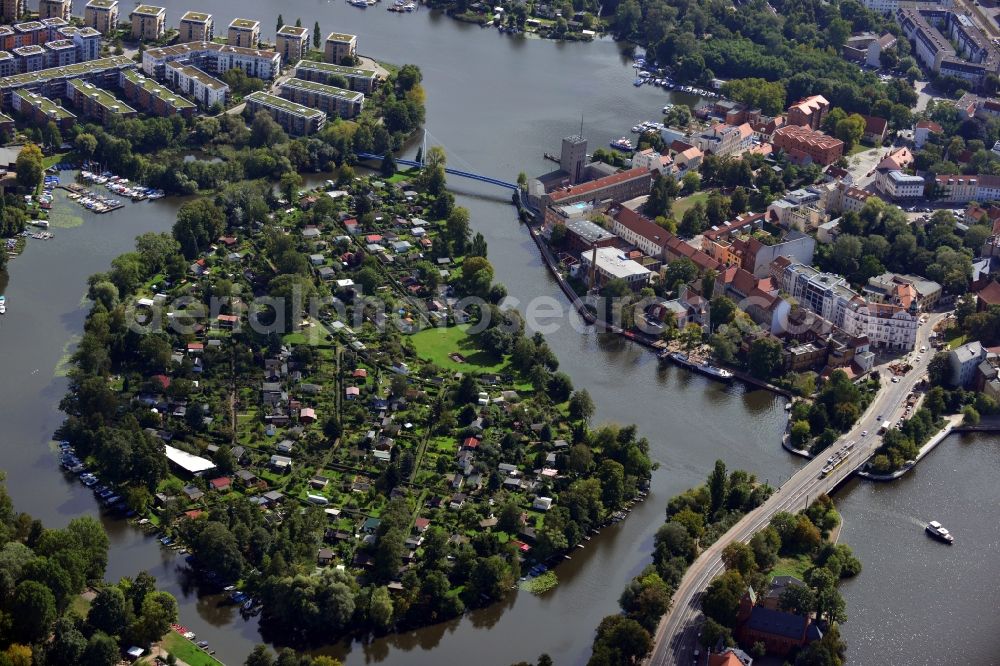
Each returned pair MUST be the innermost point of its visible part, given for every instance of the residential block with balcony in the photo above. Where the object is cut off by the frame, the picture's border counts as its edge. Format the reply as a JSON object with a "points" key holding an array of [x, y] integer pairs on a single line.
{"points": [[197, 84], [338, 46], [55, 9], [292, 43], [296, 119], [361, 80], [101, 15], [244, 33], [330, 100], [96, 103], [197, 27], [149, 22], [151, 97]]}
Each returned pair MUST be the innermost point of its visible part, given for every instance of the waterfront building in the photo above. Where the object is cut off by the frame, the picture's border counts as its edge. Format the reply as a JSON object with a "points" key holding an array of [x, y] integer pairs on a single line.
{"points": [[583, 235], [339, 46], [151, 97], [612, 264], [149, 22], [805, 145], [244, 33], [60, 53], [41, 110], [88, 44], [55, 9], [197, 27], [292, 43], [573, 158], [780, 632], [101, 15], [616, 187], [214, 58], [30, 58], [362, 80], [295, 119], [96, 103], [197, 84], [330, 100], [12, 10]]}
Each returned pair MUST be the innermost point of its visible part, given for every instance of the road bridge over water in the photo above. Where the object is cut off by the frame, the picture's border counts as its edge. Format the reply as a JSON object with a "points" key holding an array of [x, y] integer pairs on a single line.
{"points": [[677, 635]]}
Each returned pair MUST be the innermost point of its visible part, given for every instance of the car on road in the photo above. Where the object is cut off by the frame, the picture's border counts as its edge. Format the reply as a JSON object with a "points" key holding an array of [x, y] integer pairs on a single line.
{"points": [[923, 349], [895, 380], [864, 433]]}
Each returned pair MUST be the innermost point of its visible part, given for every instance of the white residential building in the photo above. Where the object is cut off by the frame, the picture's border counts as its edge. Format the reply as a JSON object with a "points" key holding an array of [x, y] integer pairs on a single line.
{"points": [[886, 326], [723, 139], [612, 264], [214, 58], [963, 362], [636, 230], [898, 185], [194, 83], [963, 189], [652, 160], [828, 295]]}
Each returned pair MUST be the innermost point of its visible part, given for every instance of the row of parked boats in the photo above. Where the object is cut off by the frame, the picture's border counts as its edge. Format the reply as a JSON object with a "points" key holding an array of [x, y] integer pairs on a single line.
{"points": [[649, 126], [98, 203], [644, 78], [121, 186], [401, 6], [107, 496]]}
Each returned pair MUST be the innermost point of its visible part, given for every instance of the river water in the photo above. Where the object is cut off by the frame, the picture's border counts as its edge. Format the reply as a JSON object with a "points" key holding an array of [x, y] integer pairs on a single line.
{"points": [[495, 103]]}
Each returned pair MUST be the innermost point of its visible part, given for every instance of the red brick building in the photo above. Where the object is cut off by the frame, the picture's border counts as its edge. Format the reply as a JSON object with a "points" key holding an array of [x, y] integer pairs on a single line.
{"points": [[809, 112], [780, 632], [804, 145], [620, 186]]}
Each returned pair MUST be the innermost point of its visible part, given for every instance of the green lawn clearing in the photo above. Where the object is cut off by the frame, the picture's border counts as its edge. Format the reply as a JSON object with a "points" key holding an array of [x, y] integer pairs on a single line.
{"points": [[436, 345], [682, 204], [792, 566], [187, 651]]}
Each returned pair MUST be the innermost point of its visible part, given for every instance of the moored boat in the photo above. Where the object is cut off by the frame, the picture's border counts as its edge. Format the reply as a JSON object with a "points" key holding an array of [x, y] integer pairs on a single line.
{"points": [[704, 367], [621, 144]]}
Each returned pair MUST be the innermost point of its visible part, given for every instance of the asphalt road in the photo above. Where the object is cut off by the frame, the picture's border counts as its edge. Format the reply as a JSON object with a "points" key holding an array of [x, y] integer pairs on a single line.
{"points": [[676, 637]]}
